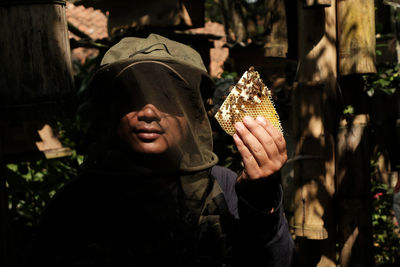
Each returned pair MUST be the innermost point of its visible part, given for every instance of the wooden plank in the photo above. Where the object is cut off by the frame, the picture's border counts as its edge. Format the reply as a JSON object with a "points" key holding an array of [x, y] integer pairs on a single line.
{"points": [[356, 36]]}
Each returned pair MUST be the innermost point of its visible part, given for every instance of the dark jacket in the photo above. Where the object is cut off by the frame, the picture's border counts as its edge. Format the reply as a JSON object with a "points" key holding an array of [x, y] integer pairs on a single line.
{"points": [[110, 221]]}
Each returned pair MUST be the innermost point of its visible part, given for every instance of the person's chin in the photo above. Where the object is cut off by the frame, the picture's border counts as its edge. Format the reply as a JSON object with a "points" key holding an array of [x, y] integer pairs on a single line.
{"points": [[151, 148]]}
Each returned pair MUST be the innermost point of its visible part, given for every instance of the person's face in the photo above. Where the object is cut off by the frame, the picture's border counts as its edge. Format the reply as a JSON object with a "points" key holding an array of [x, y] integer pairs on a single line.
{"points": [[151, 131]]}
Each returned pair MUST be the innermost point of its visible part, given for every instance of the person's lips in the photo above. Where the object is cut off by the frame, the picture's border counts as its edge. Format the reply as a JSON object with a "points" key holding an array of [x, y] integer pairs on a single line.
{"points": [[148, 134]]}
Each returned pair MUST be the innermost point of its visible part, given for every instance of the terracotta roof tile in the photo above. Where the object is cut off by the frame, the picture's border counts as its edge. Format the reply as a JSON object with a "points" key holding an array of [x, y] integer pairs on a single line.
{"points": [[93, 22]]}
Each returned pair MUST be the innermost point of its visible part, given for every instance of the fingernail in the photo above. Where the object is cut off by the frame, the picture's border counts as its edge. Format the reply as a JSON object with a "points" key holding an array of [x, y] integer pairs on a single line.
{"points": [[261, 119], [236, 137], [247, 119], [239, 126]]}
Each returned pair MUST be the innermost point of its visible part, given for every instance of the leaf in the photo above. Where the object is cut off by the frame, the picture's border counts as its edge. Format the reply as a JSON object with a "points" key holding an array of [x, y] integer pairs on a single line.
{"points": [[348, 110], [389, 71], [370, 92], [389, 91]]}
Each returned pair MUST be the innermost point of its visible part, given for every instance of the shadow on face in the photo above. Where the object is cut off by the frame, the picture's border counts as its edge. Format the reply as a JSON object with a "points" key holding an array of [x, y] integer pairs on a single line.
{"points": [[151, 131]]}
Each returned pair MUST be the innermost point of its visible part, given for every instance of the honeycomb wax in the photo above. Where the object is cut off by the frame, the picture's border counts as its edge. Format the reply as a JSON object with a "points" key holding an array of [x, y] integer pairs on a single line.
{"points": [[249, 97]]}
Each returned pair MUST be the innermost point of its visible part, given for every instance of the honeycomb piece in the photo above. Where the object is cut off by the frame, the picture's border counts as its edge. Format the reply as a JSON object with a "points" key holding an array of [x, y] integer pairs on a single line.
{"points": [[249, 97]]}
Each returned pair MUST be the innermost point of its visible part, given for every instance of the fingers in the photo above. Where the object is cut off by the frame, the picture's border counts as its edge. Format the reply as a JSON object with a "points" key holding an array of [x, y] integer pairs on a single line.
{"points": [[248, 159], [251, 145], [261, 145], [260, 130], [276, 135]]}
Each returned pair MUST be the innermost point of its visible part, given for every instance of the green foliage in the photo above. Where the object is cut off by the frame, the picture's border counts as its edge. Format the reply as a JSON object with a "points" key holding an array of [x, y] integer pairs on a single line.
{"points": [[348, 110], [30, 184], [386, 235], [385, 232], [229, 75], [386, 80]]}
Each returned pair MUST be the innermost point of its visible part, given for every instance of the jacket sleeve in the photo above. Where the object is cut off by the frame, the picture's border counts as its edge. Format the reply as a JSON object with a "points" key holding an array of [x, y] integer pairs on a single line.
{"points": [[262, 235]]}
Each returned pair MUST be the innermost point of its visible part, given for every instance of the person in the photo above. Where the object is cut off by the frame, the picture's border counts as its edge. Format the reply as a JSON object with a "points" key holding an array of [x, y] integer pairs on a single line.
{"points": [[150, 192]]}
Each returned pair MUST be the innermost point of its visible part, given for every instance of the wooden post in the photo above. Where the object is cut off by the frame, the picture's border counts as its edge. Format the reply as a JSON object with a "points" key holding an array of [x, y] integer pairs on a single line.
{"points": [[314, 115], [356, 36]]}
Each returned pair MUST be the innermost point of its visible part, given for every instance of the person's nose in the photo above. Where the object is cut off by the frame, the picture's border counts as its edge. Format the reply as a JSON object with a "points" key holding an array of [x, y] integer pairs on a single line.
{"points": [[149, 113]]}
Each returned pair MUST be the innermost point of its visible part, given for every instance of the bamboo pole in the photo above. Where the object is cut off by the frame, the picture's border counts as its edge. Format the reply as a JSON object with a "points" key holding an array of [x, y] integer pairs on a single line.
{"points": [[35, 57], [353, 178], [356, 36], [36, 77], [313, 110]]}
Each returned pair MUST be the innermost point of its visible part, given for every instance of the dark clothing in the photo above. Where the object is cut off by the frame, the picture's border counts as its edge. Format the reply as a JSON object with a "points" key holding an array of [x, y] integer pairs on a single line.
{"points": [[99, 220], [262, 236], [148, 194]]}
